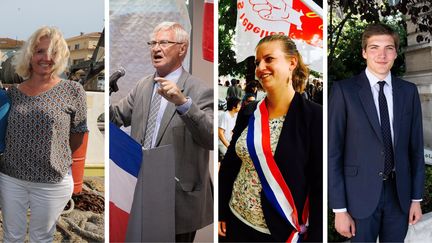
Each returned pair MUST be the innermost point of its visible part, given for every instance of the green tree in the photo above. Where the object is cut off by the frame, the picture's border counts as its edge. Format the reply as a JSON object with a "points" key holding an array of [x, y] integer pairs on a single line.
{"points": [[226, 28], [347, 19], [347, 58]]}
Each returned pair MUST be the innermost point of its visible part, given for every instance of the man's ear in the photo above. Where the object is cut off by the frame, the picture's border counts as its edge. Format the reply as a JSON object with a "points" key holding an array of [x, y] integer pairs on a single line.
{"points": [[364, 54], [183, 49]]}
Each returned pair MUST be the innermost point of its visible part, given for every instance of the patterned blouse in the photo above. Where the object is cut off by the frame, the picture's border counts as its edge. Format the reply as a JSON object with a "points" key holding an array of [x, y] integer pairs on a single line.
{"points": [[37, 136], [245, 200]]}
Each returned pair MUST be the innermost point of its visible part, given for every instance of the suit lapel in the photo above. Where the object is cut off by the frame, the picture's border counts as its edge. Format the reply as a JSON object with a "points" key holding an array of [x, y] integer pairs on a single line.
{"points": [[170, 109], [397, 107], [367, 101], [290, 120]]}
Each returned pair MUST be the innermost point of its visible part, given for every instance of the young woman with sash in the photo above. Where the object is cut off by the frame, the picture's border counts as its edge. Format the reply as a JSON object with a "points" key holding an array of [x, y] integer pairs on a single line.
{"points": [[270, 181]]}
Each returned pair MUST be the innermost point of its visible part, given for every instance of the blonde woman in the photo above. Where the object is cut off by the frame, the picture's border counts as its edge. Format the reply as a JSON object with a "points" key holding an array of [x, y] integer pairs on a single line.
{"points": [[47, 121]]}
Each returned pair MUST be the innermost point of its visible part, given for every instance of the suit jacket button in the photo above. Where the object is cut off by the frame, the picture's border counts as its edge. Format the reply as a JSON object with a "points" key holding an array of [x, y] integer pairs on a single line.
{"points": [[380, 174]]}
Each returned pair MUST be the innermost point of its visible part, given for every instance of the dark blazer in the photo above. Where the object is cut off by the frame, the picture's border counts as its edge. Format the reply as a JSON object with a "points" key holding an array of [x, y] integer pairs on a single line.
{"points": [[356, 149], [191, 134], [299, 157]]}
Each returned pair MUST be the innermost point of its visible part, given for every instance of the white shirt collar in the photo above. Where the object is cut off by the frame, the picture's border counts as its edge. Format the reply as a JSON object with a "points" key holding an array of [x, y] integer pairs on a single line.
{"points": [[174, 75], [373, 80]]}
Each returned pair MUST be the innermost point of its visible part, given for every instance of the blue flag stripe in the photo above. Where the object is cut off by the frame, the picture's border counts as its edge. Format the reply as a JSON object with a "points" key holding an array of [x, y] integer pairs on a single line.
{"points": [[250, 138], [124, 151]]}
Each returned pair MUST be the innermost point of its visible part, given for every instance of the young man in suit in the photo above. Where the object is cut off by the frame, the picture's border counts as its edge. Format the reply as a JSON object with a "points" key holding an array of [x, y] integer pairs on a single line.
{"points": [[183, 117], [375, 163]]}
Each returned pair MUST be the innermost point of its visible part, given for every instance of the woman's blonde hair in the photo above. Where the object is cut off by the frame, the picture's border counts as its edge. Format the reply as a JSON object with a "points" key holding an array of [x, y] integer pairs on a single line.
{"points": [[301, 72], [58, 51]]}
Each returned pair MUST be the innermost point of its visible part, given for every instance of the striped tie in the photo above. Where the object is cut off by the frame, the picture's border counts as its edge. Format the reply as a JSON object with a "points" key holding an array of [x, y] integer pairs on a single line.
{"points": [[151, 121]]}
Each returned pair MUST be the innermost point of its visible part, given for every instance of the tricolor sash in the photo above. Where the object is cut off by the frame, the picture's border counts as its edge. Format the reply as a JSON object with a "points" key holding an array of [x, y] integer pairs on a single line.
{"points": [[273, 184]]}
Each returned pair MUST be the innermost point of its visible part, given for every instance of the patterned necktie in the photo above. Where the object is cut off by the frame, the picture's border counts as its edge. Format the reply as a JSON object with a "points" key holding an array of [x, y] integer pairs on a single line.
{"points": [[151, 121], [385, 129]]}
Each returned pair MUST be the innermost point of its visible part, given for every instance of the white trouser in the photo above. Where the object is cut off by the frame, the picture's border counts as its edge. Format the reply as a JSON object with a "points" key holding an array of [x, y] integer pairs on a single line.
{"points": [[46, 202]]}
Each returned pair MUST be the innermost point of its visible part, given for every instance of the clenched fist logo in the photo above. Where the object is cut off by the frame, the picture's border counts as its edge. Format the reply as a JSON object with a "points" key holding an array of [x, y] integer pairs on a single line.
{"points": [[277, 10]]}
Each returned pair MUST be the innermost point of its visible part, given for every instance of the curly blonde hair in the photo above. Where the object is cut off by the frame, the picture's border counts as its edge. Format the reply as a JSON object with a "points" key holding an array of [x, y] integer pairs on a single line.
{"points": [[58, 50]]}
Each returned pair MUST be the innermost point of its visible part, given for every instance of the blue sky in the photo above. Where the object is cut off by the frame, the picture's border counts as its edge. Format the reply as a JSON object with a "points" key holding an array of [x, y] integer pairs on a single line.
{"points": [[20, 18]]}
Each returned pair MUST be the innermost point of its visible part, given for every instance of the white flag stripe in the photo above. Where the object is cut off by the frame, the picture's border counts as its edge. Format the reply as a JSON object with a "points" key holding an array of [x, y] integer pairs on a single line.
{"points": [[121, 192], [277, 190]]}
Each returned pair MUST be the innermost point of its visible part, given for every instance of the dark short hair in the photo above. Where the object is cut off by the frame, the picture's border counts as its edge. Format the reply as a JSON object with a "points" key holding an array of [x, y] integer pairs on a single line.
{"points": [[247, 96], [232, 102], [379, 29], [250, 86]]}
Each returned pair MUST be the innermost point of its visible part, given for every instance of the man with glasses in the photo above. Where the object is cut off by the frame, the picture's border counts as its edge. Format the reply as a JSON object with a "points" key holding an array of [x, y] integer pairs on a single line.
{"points": [[173, 107]]}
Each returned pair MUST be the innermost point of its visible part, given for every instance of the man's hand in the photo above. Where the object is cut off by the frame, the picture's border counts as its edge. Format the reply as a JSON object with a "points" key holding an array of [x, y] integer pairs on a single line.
{"points": [[415, 213], [170, 91], [222, 228], [344, 224]]}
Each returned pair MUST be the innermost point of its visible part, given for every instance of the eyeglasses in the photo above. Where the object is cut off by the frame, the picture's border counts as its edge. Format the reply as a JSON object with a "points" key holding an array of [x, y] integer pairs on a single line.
{"points": [[162, 43]]}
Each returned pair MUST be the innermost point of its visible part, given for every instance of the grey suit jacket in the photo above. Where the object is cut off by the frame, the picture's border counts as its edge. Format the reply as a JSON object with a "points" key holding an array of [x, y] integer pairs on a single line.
{"points": [[191, 134]]}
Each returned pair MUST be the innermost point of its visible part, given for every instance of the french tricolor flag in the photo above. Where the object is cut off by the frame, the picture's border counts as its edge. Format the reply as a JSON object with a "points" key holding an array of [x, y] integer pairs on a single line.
{"points": [[125, 163]]}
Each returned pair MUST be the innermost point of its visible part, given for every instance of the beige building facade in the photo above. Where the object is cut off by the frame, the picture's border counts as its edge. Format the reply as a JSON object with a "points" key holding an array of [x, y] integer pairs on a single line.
{"points": [[8, 45], [82, 47], [418, 60]]}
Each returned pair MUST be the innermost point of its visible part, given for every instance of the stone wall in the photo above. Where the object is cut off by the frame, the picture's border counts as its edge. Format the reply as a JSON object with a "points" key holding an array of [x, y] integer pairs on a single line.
{"points": [[418, 59]]}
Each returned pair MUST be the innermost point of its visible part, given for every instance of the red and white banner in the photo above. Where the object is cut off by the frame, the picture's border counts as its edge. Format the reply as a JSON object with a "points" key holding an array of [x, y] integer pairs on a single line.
{"points": [[294, 18], [207, 34]]}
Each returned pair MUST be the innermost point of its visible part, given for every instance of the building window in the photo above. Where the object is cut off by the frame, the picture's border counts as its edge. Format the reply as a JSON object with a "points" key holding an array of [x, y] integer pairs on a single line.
{"points": [[76, 61], [92, 44], [76, 46]]}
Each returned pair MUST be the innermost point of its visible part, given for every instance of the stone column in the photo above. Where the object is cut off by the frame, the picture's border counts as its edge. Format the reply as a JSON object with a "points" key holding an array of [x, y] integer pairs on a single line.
{"points": [[418, 60]]}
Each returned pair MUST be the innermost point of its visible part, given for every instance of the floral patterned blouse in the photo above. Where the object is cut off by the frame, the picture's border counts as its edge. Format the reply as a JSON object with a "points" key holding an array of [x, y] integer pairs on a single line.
{"points": [[37, 135], [245, 200]]}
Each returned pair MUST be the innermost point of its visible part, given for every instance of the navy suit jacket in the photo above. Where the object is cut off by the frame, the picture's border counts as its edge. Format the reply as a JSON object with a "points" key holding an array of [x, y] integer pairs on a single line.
{"points": [[356, 149]]}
